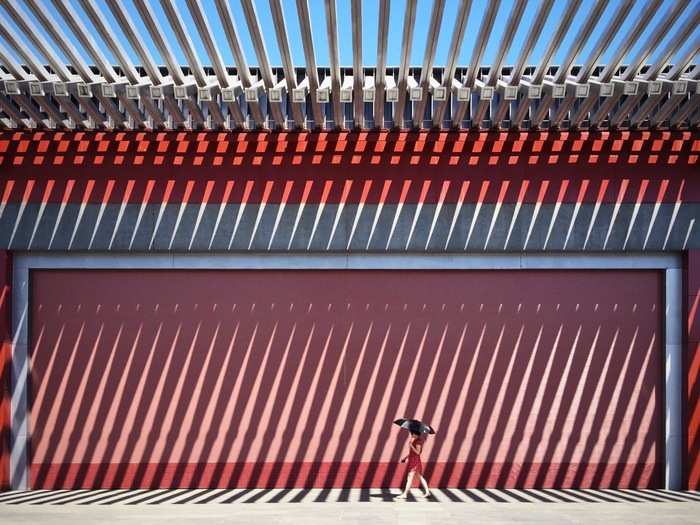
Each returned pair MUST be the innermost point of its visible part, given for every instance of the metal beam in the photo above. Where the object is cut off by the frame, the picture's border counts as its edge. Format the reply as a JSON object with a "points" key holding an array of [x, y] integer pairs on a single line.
{"points": [[251, 17], [54, 29], [563, 72], [38, 70], [628, 106], [685, 111], [83, 35], [149, 19], [654, 100], [380, 74], [611, 68], [525, 51], [207, 35], [452, 55], [409, 23], [172, 13], [358, 75], [100, 22], [332, 34], [135, 40], [32, 32], [481, 42], [516, 14], [544, 63], [310, 59], [6, 59], [33, 63], [603, 42], [187, 46], [231, 32], [652, 42], [287, 64]]}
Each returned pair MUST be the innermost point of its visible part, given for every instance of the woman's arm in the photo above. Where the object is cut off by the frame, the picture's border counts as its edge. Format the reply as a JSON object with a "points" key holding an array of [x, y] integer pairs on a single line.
{"points": [[417, 449]]}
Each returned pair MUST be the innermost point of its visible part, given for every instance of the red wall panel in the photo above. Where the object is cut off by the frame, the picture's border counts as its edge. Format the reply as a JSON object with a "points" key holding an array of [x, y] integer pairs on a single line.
{"points": [[292, 378], [530, 167], [5, 366], [692, 409]]}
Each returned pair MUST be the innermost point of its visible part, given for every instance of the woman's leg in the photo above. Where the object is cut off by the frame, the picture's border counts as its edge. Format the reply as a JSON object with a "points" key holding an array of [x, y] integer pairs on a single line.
{"points": [[409, 483], [424, 484]]}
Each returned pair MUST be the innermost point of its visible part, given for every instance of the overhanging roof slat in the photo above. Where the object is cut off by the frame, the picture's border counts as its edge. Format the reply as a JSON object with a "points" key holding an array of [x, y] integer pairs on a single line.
{"points": [[101, 84]]}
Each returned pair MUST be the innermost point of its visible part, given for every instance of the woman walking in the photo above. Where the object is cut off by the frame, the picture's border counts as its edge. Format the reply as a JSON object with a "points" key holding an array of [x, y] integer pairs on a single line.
{"points": [[415, 467]]}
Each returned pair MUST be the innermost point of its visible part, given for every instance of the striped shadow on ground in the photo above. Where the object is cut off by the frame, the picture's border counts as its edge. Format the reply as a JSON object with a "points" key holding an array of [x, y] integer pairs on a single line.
{"points": [[224, 496]]}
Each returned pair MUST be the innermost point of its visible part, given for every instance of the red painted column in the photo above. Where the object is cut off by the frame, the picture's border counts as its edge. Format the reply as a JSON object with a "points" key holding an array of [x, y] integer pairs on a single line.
{"points": [[5, 366], [692, 280]]}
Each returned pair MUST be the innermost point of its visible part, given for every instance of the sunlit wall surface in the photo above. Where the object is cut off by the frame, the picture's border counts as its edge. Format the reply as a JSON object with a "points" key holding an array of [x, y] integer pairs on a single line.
{"points": [[292, 378]]}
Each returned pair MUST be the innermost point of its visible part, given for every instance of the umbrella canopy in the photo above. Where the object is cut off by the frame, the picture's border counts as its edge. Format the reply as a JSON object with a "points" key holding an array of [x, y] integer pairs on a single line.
{"points": [[415, 426]]}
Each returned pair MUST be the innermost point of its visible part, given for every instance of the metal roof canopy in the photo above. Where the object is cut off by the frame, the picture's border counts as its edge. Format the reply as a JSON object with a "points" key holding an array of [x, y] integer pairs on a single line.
{"points": [[579, 93]]}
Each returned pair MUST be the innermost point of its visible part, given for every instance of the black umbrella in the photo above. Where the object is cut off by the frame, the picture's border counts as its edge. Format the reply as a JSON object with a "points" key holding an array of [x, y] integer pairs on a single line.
{"points": [[415, 426]]}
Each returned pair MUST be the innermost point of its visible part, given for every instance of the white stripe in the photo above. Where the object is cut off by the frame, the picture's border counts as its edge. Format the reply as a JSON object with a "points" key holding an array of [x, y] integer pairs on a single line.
{"points": [[261, 209], [58, 221], [222, 207], [19, 218], [532, 223], [241, 209], [280, 210], [616, 209], [543, 495], [68, 494], [36, 224], [416, 216], [397, 213], [512, 223], [676, 207], [525, 494], [172, 495], [120, 493], [202, 207], [436, 214], [494, 218], [572, 222], [631, 225], [229, 494], [651, 224], [158, 219], [186, 493], [142, 208], [472, 223], [316, 220], [335, 223], [687, 235], [377, 213], [596, 208], [551, 224], [358, 213], [180, 211], [296, 224], [77, 223], [455, 215]]}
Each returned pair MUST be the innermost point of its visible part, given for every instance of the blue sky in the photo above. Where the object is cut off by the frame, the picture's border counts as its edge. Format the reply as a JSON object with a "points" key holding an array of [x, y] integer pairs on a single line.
{"points": [[369, 30]]}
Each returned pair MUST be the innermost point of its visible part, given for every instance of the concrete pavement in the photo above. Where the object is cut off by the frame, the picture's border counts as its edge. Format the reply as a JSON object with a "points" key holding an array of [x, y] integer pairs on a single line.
{"points": [[353, 506]]}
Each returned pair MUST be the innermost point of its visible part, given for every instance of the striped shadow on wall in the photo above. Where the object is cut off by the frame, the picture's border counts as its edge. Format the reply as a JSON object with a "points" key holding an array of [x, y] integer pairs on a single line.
{"points": [[417, 192], [279, 378]]}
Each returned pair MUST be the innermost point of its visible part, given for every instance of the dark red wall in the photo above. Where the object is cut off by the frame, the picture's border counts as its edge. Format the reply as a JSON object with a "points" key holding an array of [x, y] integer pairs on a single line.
{"points": [[5, 364], [530, 167], [292, 378], [692, 412]]}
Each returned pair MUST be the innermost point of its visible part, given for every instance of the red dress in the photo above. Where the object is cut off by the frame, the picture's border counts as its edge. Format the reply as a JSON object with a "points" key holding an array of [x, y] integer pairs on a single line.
{"points": [[414, 463]]}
